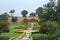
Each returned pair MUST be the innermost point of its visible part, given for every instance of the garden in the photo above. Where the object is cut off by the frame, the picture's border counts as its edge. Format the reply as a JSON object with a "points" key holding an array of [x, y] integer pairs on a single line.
{"points": [[11, 33]]}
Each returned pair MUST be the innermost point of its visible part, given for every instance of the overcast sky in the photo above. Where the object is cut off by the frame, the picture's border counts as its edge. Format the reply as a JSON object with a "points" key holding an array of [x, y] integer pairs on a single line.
{"points": [[19, 5]]}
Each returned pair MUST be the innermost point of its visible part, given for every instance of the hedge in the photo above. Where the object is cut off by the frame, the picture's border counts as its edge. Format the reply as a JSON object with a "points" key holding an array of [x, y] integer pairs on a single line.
{"points": [[20, 36]]}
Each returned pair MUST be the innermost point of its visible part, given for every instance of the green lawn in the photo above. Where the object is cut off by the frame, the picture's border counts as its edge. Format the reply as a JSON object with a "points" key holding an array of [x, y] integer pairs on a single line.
{"points": [[12, 33]]}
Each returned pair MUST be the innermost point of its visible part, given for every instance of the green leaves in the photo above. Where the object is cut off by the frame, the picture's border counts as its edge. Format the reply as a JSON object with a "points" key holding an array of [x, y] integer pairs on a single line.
{"points": [[24, 13]]}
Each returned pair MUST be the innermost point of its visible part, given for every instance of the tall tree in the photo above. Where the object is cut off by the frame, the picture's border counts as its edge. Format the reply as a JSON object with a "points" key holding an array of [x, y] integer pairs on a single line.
{"points": [[12, 11], [24, 13], [48, 11], [58, 11], [39, 10]]}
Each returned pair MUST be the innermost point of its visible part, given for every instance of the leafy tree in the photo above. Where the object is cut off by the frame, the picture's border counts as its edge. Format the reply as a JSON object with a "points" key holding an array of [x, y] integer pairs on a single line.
{"points": [[24, 13], [4, 17], [12, 11], [39, 10], [58, 11], [48, 12]]}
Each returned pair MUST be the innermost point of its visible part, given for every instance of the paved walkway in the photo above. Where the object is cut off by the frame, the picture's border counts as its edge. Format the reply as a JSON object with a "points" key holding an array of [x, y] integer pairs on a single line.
{"points": [[26, 37]]}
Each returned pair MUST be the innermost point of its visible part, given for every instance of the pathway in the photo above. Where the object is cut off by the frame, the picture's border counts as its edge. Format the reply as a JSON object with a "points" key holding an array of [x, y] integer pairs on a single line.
{"points": [[26, 37]]}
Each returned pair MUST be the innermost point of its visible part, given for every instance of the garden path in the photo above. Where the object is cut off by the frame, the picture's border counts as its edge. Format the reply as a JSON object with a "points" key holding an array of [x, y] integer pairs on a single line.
{"points": [[26, 37]]}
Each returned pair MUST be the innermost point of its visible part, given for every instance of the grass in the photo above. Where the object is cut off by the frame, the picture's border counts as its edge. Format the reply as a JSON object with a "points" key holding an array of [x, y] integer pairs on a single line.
{"points": [[11, 33]]}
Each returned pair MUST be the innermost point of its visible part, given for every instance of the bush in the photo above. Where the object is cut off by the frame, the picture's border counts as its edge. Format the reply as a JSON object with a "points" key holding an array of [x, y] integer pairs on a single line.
{"points": [[49, 27], [4, 38], [4, 27], [14, 19], [36, 27], [38, 36], [52, 29]]}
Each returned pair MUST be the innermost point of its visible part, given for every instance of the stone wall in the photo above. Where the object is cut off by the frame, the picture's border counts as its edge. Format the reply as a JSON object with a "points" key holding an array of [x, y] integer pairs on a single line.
{"points": [[20, 19]]}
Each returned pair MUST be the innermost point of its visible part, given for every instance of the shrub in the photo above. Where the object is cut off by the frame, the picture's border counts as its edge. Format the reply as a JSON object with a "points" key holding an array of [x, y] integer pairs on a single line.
{"points": [[49, 27], [36, 27], [52, 29], [4, 38], [4, 27], [38, 36], [14, 19]]}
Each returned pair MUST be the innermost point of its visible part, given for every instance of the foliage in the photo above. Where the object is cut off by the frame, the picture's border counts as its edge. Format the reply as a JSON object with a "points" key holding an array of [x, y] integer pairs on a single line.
{"points": [[36, 27], [38, 36], [4, 27], [24, 13], [12, 11], [4, 17], [24, 21], [49, 11], [11, 33], [39, 11], [14, 19], [4, 38], [49, 19], [49, 27]]}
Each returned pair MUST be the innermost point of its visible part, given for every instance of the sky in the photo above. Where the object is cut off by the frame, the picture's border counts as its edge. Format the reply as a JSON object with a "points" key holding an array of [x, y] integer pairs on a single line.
{"points": [[19, 5]]}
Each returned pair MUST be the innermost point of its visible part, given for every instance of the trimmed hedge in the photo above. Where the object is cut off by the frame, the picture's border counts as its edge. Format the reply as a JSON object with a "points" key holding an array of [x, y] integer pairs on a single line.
{"points": [[22, 27], [21, 35], [38, 36]]}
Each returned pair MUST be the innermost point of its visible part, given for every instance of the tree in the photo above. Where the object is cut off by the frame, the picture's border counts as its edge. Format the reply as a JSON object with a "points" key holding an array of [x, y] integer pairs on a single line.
{"points": [[47, 12], [12, 11], [24, 13], [39, 10], [4, 17], [58, 11]]}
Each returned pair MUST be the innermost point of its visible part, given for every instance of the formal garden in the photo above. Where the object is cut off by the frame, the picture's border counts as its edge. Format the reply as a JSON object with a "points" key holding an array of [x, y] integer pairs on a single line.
{"points": [[48, 27]]}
